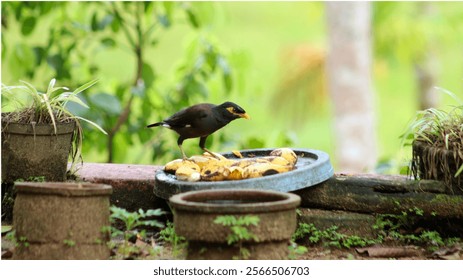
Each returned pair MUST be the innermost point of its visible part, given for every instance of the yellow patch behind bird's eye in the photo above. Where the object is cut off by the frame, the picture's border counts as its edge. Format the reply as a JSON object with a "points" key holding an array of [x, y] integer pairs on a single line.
{"points": [[231, 110]]}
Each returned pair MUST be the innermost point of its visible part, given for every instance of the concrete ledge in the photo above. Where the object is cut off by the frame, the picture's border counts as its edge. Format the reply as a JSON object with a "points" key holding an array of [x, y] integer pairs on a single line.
{"points": [[349, 201], [132, 184]]}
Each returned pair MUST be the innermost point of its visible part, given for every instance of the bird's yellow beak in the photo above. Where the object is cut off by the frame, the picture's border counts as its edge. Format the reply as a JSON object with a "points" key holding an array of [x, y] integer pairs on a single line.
{"points": [[245, 116]]}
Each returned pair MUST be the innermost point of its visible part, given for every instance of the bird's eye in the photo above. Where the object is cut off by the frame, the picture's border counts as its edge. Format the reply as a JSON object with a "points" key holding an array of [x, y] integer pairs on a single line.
{"points": [[235, 110], [238, 110]]}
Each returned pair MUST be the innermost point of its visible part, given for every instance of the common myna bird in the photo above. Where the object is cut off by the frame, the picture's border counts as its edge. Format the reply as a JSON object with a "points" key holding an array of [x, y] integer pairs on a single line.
{"points": [[201, 120]]}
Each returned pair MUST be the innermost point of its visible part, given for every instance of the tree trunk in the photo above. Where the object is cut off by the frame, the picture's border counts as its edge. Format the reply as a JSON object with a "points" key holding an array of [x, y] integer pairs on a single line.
{"points": [[426, 69], [349, 84], [425, 79]]}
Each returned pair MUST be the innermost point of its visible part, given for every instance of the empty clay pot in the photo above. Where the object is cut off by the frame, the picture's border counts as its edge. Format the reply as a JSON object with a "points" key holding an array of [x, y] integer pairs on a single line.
{"points": [[61, 221], [195, 213]]}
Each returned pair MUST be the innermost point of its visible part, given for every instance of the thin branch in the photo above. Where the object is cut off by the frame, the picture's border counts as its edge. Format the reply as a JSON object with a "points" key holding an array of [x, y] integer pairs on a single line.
{"points": [[123, 25]]}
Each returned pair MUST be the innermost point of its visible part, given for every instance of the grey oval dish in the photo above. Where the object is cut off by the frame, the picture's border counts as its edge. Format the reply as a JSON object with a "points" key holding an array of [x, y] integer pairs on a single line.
{"points": [[313, 167]]}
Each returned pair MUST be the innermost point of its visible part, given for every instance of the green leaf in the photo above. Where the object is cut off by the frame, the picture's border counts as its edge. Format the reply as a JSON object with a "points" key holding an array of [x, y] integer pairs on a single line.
{"points": [[94, 22], [107, 20], [194, 87], [451, 94], [92, 123], [154, 212], [153, 223], [192, 18], [115, 25], [28, 25], [24, 56], [148, 75], [56, 61], [164, 20], [39, 53], [51, 85], [108, 42], [68, 96], [32, 91], [77, 109], [50, 111], [168, 7], [85, 86], [107, 102], [459, 171]]}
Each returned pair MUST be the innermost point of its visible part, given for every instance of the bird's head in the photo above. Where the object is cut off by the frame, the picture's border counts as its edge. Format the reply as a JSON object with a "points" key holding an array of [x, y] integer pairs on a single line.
{"points": [[235, 110]]}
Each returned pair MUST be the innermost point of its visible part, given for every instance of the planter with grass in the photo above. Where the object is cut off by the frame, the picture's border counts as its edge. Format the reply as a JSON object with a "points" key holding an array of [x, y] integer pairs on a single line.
{"points": [[40, 135], [235, 223], [436, 137], [61, 221]]}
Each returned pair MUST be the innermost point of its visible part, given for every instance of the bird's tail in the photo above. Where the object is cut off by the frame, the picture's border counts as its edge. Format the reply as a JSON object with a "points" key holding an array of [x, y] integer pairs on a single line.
{"points": [[156, 124]]}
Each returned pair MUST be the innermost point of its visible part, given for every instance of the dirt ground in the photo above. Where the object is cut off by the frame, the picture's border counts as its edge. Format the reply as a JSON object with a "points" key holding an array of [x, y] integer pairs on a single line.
{"points": [[153, 248]]}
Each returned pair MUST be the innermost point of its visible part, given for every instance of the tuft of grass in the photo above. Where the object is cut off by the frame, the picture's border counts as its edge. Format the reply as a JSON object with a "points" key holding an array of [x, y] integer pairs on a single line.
{"points": [[48, 107], [433, 130]]}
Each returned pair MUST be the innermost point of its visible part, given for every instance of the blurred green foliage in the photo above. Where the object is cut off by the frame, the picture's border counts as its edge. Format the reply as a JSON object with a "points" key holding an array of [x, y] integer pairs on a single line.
{"points": [[153, 58], [78, 31]]}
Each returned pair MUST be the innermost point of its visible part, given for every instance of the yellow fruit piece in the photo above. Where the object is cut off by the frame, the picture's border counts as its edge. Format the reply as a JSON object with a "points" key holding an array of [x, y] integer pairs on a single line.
{"points": [[209, 168], [186, 173], [265, 169], [237, 154], [236, 173], [285, 153], [247, 161], [202, 161], [278, 160], [171, 167], [214, 173]]}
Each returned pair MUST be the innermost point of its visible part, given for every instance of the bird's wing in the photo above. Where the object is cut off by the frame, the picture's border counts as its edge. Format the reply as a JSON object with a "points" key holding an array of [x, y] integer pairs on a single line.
{"points": [[187, 117]]}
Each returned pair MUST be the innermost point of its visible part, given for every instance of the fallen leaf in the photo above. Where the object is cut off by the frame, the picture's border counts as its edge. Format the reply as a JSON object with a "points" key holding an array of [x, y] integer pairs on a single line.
{"points": [[6, 229], [448, 253], [7, 254], [454, 256]]}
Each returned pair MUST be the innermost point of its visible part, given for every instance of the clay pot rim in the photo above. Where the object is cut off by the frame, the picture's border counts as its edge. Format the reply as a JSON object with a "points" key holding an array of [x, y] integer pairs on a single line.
{"points": [[38, 129], [63, 188], [277, 201]]}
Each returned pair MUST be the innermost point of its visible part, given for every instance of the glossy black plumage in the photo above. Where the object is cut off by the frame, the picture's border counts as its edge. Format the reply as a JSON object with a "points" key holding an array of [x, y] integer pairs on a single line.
{"points": [[201, 120]]}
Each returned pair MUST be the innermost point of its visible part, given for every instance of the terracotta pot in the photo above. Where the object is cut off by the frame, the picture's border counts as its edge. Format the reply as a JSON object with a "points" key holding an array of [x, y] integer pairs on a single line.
{"points": [[437, 164], [61, 221], [35, 151], [195, 212]]}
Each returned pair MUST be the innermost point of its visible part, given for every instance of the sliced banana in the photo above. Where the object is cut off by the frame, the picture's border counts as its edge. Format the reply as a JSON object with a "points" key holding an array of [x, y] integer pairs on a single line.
{"points": [[236, 173], [202, 161], [265, 169], [187, 173], [215, 174], [285, 153], [237, 154], [173, 166], [209, 168]]}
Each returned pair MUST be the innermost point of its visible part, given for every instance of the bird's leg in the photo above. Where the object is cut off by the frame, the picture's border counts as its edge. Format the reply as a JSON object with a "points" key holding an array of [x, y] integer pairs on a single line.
{"points": [[179, 142], [202, 143]]}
